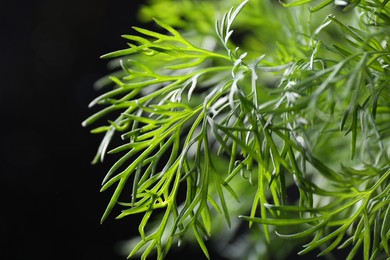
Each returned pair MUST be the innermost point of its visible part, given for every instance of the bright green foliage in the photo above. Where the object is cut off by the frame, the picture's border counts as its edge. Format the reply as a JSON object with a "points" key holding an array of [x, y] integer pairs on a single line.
{"points": [[227, 114]]}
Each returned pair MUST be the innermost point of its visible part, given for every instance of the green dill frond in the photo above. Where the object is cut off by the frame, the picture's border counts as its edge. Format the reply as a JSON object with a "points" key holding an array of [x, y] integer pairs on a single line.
{"points": [[225, 124]]}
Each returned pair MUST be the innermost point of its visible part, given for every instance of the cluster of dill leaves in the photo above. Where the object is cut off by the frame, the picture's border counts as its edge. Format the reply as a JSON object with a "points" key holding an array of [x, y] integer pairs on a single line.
{"points": [[275, 114]]}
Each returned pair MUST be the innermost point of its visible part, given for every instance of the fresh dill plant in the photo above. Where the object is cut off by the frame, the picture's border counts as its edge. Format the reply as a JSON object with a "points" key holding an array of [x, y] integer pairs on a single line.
{"points": [[274, 114]]}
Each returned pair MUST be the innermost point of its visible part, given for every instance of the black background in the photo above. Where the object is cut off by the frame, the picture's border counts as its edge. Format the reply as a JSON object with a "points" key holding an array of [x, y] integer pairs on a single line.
{"points": [[50, 200]]}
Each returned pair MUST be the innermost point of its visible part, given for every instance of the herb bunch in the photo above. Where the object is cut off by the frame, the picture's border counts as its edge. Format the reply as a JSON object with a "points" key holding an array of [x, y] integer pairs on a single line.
{"points": [[297, 103]]}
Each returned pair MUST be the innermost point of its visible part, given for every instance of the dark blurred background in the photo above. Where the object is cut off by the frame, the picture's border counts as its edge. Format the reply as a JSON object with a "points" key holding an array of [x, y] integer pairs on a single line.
{"points": [[49, 59]]}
